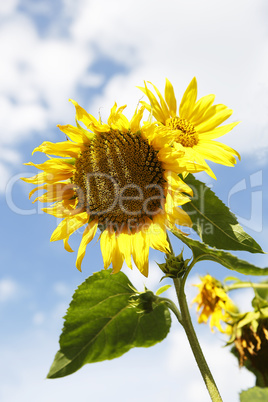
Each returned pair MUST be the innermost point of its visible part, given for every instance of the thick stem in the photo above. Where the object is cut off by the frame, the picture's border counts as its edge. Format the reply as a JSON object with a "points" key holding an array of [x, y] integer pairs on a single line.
{"points": [[191, 335]]}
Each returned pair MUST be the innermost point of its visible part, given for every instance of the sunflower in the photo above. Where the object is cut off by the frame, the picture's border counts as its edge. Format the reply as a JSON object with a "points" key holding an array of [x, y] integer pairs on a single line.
{"points": [[194, 127], [117, 178], [214, 302]]}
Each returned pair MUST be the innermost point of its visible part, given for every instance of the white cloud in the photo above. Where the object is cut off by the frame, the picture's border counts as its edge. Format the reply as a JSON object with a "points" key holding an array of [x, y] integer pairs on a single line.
{"points": [[38, 318], [61, 289], [8, 7], [181, 40], [40, 76], [243, 298], [158, 373], [229, 378], [178, 40], [5, 175], [139, 281], [8, 290]]}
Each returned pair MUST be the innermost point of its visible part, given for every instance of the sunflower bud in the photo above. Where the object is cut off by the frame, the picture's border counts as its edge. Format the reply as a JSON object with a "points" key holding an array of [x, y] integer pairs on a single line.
{"points": [[174, 267], [143, 302]]}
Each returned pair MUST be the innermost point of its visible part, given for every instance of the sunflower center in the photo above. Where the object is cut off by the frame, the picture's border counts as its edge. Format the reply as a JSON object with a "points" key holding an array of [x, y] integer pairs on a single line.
{"points": [[119, 180], [186, 134]]}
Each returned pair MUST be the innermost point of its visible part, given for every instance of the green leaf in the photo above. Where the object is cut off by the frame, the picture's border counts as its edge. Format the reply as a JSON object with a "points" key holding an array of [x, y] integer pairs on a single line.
{"points": [[215, 224], [101, 324], [162, 289], [255, 394], [202, 252]]}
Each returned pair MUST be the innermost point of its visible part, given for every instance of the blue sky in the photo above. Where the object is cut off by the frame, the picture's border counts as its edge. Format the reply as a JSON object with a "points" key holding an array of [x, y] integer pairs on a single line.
{"points": [[97, 52]]}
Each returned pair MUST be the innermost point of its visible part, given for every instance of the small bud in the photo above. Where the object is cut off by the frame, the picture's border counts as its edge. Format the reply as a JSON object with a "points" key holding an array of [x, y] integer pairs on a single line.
{"points": [[174, 267], [143, 302]]}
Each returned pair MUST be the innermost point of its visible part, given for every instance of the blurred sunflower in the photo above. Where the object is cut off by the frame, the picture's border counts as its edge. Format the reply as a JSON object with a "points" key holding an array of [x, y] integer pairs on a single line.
{"points": [[118, 178], [194, 127], [215, 304]]}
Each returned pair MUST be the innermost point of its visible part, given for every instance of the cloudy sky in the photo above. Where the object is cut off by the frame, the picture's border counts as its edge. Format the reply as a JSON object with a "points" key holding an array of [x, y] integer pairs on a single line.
{"points": [[97, 52]]}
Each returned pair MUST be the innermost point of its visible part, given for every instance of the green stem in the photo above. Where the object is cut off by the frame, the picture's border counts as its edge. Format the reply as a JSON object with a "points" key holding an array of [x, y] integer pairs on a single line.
{"points": [[184, 318], [172, 306], [241, 285], [191, 335]]}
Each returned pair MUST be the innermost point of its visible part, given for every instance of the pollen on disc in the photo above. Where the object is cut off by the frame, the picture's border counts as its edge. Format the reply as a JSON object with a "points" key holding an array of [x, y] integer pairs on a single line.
{"points": [[119, 179]]}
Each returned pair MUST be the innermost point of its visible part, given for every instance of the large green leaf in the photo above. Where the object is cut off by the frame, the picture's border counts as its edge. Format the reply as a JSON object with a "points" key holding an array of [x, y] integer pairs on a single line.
{"points": [[101, 323], [215, 224], [202, 252], [255, 394]]}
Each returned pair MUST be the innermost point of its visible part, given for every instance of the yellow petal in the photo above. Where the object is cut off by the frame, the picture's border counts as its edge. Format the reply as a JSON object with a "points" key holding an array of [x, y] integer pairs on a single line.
{"points": [[217, 152], [37, 179], [67, 245], [196, 156], [176, 215], [170, 98], [53, 165], [158, 236], [84, 116], [201, 107], [140, 251], [174, 159], [107, 240], [60, 211], [88, 235], [44, 187], [76, 134], [57, 192], [213, 118], [124, 241], [145, 104], [188, 100], [136, 119], [176, 184], [47, 177], [69, 225], [155, 108], [162, 102], [117, 256], [66, 148], [218, 132], [117, 119]]}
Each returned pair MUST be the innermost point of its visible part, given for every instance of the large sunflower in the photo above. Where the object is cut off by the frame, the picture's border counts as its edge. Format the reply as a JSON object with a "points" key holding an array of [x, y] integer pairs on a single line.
{"points": [[194, 127], [117, 178]]}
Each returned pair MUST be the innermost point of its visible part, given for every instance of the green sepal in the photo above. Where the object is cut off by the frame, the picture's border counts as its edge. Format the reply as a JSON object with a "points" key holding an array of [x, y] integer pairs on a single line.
{"points": [[212, 220], [261, 297], [175, 266], [101, 323], [71, 161], [202, 252]]}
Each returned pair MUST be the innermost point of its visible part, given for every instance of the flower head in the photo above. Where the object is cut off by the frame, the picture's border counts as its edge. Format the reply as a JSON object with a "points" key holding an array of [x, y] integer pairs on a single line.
{"points": [[117, 178], [251, 343], [214, 303], [194, 127]]}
